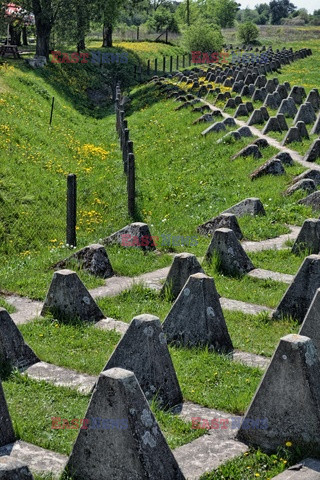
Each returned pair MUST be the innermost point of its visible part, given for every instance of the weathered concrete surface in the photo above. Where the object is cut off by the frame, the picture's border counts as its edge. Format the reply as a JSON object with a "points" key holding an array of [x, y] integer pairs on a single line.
{"points": [[38, 459], [225, 220], [288, 107], [136, 229], [232, 257], [300, 293], [113, 286], [6, 431], [309, 237], [305, 114], [13, 349], [61, 376], [292, 380], [272, 243], [285, 158], [188, 410], [316, 127], [272, 125], [206, 454], [311, 173], [266, 274], [184, 265], [143, 350], [248, 206], [112, 324], [137, 452], [251, 359], [68, 298], [13, 469], [26, 309], [313, 200], [256, 118], [293, 135], [196, 317], [270, 167], [250, 150], [314, 152], [93, 259], [311, 324], [306, 184], [237, 305], [308, 469]]}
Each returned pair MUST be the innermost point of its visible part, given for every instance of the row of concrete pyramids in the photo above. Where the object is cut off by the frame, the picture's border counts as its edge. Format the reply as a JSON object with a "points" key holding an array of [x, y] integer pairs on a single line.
{"points": [[137, 452], [122, 392]]}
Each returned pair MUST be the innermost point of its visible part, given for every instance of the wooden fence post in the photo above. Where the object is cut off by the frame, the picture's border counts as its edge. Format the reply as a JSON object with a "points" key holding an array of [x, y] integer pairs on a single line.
{"points": [[121, 125], [125, 147], [177, 64], [164, 65], [171, 61], [129, 150], [155, 66], [71, 210], [148, 68], [131, 185]]}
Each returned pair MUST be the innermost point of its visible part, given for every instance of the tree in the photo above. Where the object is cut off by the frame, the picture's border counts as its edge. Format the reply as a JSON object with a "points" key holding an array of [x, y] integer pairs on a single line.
{"points": [[160, 3], [107, 12], [280, 9], [222, 12], [203, 38], [134, 12], [187, 13], [45, 14], [163, 19], [248, 32], [73, 23], [248, 15]]}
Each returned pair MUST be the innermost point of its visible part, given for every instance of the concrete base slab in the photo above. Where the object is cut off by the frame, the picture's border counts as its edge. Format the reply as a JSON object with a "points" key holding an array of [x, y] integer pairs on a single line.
{"points": [[27, 309], [62, 377], [268, 274], [251, 359], [205, 454], [112, 324], [244, 307], [277, 243], [39, 460], [308, 469]]}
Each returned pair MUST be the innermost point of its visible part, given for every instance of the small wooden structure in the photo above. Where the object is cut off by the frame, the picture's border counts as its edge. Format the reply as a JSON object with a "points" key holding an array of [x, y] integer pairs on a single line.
{"points": [[6, 50]]}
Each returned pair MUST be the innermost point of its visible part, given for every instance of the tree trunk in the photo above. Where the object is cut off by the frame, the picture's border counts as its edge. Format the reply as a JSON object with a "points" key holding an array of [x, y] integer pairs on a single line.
{"points": [[15, 36], [138, 33], [42, 47], [81, 45], [107, 35], [44, 25], [24, 36], [188, 13]]}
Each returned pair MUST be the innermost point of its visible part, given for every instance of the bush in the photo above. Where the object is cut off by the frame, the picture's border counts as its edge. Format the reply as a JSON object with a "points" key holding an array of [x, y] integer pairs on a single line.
{"points": [[204, 38], [248, 32]]}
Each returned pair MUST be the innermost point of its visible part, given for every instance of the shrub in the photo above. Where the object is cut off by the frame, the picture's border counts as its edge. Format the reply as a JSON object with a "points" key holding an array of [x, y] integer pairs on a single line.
{"points": [[204, 38], [248, 32]]}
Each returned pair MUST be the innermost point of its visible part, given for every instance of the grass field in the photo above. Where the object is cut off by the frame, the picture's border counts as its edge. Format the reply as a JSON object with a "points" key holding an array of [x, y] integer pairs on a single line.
{"points": [[183, 180]]}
